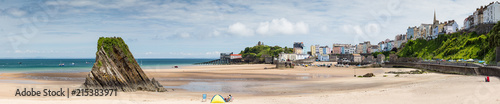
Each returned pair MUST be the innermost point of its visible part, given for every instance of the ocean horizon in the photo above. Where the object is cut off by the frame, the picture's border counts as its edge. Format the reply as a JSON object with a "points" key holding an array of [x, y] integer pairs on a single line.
{"points": [[85, 64]]}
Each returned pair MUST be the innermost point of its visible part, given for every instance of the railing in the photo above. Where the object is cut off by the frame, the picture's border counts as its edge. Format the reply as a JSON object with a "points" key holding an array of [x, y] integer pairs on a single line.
{"points": [[451, 63]]}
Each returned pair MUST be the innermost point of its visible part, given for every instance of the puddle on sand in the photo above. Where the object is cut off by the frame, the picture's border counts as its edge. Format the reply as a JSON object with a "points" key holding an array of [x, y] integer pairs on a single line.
{"points": [[313, 76], [224, 87], [242, 85], [55, 78], [198, 79], [299, 76], [20, 81]]}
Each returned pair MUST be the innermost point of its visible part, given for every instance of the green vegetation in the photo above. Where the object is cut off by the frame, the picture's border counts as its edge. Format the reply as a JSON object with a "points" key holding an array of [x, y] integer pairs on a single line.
{"points": [[386, 54], [110, 43], [99, 64], [264, 50], [455, 46]]}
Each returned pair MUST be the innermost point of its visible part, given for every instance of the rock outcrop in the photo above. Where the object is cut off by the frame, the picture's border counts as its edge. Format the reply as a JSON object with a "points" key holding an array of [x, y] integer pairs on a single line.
{"points": [[369, 75], [116, 68]]}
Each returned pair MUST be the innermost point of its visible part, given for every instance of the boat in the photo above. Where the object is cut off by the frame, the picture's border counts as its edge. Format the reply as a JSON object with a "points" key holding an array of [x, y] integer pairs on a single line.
{"points": [[61, 64], [73, 64]]}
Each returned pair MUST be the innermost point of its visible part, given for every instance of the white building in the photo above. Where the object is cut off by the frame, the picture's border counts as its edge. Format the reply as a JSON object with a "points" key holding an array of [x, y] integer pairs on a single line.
{"points": [[381, 46], [235, 56], [484, 15], [324, 57], [302, 56], [468, 22], [357, 57], [492, 13], [292, 57], [399, 39], [424, 31], [478, 16], [283, 57], [349, 50], [451, 27], [374, 48]]}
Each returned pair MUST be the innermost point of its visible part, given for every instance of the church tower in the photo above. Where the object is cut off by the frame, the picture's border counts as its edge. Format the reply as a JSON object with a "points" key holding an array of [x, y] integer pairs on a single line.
{"points": [[435, 23]]}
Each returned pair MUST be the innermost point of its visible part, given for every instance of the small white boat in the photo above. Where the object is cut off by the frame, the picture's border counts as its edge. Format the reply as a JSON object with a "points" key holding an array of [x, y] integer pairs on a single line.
{"points": [[61, 64]]}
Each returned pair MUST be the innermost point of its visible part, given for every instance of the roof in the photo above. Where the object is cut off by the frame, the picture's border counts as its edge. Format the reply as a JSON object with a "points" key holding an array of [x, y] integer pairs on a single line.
{"points": [[235, 54]]}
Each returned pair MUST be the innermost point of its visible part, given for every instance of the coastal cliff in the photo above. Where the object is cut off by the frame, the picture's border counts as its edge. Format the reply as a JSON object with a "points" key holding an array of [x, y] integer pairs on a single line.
{"points": [[116, 68]]}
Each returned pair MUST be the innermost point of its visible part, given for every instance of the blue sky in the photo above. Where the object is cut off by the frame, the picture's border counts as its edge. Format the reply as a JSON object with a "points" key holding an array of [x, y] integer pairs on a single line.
{"points": [[204, 28]]}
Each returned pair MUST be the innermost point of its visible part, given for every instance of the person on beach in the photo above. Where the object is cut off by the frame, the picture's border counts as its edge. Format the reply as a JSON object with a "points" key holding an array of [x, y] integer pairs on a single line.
{"points": [[228, 98]]}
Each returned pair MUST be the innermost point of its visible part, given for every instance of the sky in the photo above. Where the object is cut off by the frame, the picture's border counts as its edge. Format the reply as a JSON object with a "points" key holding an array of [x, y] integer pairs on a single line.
{"points": [[205, 28]]}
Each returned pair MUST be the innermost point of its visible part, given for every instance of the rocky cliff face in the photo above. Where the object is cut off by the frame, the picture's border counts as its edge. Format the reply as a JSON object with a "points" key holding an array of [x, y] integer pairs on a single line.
{"points": [[116, 68]]}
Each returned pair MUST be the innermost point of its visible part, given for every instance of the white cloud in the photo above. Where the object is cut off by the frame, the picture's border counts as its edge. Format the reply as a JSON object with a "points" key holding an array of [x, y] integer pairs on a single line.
{"points": [[178, 53], [282, 26], [33, 51], [148, 53], [324, 28], [16, 12], [185, 35], [26, 51], [273, 27], [240, 29], [185, 53], [83, 3], [215, 33], [213, 53], [119, 4]]}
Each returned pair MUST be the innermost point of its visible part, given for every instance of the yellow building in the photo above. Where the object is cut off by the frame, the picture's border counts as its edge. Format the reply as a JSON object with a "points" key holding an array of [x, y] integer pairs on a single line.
{"points": [[313, 50]]}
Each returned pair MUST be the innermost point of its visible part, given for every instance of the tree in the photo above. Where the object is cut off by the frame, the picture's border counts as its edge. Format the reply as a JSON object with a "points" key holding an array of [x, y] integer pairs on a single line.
{"points": [[254, 54], [394, 49]]}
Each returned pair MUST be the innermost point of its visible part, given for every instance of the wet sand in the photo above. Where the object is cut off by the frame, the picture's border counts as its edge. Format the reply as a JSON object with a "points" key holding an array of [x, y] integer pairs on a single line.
{"points": [[251, 83]]}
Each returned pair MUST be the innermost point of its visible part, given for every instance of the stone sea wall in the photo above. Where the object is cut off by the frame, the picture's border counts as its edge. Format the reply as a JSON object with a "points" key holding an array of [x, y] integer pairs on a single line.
{"points": [[452, 69]]}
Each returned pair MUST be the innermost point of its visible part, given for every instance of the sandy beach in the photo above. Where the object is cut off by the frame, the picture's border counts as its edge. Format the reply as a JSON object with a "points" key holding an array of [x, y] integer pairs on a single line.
{"points": [[258, 83]]}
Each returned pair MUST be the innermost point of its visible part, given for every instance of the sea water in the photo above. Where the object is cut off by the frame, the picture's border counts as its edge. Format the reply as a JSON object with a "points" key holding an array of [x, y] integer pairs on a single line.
{"points": [[82, 65]]}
